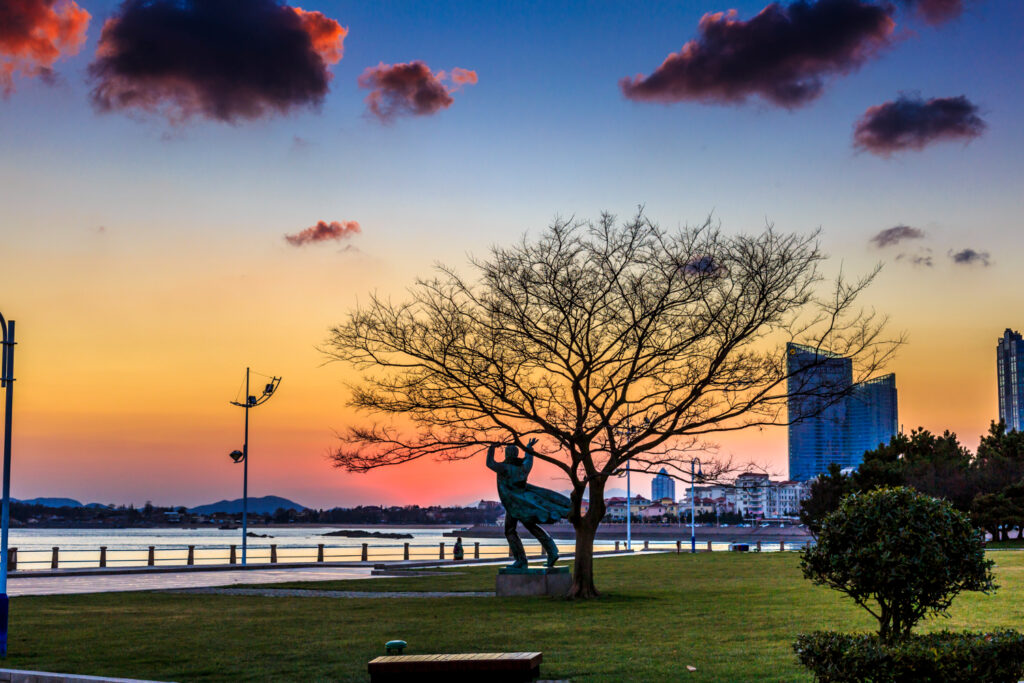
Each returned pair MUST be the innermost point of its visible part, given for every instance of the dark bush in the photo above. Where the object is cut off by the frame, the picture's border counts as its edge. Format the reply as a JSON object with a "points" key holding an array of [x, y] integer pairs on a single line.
{"points": [[943, 657]]}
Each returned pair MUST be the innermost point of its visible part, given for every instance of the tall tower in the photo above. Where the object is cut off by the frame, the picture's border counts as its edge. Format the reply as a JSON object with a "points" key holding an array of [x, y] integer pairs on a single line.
{"points": [[663, 486], [1010, 370]]}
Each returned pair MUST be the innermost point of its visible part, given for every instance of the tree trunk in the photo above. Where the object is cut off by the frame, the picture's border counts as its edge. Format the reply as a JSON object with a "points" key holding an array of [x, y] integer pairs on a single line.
{"points": [[586, 529]]}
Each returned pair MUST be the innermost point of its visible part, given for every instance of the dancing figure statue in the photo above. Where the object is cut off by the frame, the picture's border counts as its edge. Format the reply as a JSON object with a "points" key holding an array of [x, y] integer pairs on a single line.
{"points": [[526, 503]]}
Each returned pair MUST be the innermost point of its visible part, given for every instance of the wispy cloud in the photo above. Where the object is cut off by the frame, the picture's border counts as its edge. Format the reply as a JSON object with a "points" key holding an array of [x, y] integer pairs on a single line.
{"points": [[913, 123], [783, 55], [922, 258], [216, 59], [896, 234], [935, 11], [324, 232]]}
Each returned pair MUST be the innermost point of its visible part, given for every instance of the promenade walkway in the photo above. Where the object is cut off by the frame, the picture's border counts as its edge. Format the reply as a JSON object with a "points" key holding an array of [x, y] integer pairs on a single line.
{"points": [[66, 584]]}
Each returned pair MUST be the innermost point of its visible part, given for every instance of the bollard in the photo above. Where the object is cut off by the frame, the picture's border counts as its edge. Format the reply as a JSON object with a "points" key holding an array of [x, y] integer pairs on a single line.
{"points": [[365, 552], [476, 550], [191, 559], [12, 559], [440, 555], [709, 546], [759, 546], [233, 558], [103, 556], [679, 547], [645, 545], [273, 553], [405, 552], [151, 559], [782, 545], [616, 546], [54, 560], [320, 552]]}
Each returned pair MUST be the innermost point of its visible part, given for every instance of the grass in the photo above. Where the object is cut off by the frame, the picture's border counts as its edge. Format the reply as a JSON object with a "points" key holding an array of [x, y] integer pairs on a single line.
{"points": [[732, 616]]}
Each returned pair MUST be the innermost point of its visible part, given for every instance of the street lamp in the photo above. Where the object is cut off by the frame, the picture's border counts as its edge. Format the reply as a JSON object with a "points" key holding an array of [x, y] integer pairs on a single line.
{"points": [[7, 383], [242, 456], [693, 526]]}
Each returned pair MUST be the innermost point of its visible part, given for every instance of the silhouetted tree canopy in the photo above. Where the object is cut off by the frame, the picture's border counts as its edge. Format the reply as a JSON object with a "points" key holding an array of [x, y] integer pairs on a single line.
{"points": [[611, 343]]}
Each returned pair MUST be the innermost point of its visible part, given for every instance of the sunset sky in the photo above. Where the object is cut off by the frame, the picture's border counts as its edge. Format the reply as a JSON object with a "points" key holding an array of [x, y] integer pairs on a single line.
{"points": [[188, 188]]}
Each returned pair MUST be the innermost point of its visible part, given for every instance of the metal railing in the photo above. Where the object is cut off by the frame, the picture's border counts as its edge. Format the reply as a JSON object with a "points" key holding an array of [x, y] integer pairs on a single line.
{"points": [[192, 555]]}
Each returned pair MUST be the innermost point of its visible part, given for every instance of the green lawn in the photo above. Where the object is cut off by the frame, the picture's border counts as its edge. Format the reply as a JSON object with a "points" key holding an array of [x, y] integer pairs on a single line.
{"points": [[733, 616]]}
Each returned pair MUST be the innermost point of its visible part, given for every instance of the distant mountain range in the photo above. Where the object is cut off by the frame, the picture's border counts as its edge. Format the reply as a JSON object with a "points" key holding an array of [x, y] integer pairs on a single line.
{"points": [[263, 506], [57, 503]]}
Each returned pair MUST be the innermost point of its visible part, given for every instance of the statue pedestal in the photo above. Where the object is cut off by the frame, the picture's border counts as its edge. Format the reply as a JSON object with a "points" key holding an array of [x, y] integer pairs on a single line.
{"points": [[555, 582]]}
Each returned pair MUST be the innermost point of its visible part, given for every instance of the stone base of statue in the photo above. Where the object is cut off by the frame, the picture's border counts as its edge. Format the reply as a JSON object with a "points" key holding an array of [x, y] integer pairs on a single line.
{"points": [[532, 581]]}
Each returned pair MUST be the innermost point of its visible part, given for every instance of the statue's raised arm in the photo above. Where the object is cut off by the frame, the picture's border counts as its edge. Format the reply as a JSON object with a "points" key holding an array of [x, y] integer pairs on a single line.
{"points": [[528, 456], [491, 465]]}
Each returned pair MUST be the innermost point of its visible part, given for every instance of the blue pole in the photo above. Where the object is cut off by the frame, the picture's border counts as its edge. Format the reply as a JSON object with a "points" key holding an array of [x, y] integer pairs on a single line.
{"points": [[693, 532], [629, 512], [7, 378], [245, 473]]}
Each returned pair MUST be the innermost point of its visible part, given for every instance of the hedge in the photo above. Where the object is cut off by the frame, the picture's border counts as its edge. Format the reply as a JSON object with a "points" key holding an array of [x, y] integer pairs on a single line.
{"points": [[941, 657]]}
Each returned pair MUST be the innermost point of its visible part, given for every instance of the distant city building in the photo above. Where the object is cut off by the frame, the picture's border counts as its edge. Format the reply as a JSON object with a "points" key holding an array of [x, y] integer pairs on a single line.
{"points": [[833, 421], [753, 494], [752, 488], [1010, 370], [663, 486]]}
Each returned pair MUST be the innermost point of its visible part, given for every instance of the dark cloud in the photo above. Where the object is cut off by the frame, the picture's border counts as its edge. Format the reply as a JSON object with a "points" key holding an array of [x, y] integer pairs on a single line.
{"points": [[702, 265], [324, 232], [34, 34], [412, 89], [913, 123], [935, 11], [783, 54], [219, 59], [896, 234], [970, 257]]}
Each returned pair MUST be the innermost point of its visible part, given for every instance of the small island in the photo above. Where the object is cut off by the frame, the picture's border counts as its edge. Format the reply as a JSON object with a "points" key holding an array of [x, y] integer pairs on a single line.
{"points": [[359, 533]]}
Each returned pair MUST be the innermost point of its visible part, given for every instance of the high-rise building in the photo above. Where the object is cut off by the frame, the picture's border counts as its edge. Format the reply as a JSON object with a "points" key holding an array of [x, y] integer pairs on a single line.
{"points": [[663, 486], [871, 415], [831, 419], [1010, 369]]}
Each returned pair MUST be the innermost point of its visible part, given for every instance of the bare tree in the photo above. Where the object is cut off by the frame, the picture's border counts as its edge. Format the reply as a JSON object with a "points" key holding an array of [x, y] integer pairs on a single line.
{"points": [[610, 343]]}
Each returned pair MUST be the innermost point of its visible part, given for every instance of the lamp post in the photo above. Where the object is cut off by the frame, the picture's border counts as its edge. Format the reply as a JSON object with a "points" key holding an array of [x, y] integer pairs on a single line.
{"points": [[693, 526], [242, 456], [7, 383]]}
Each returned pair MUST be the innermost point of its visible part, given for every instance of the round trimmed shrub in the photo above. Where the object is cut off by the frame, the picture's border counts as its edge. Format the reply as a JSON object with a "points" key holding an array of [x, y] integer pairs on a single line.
{"points": [[899, 554]]}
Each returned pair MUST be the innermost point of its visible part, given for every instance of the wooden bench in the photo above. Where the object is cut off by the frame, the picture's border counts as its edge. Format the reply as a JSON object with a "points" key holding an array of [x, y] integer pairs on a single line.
{"points": [[495, 667]]}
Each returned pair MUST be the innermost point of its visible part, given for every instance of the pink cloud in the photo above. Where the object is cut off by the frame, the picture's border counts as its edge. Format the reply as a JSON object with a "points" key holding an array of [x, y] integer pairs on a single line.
{"points": [[324, 232]]}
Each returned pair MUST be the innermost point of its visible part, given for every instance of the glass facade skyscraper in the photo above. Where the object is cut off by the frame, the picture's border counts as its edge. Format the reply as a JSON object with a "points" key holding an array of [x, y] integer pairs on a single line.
{"points": [[663, 486], [1010, 371], [833, 420]]}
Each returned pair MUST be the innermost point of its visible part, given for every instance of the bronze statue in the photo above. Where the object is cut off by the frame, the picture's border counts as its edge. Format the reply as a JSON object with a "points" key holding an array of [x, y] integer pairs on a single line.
{"points": [[526, 503]]}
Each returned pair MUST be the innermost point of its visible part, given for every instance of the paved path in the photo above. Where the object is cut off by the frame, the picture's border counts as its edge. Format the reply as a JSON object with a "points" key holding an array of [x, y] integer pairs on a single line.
{"points": [[304, 593], [65, 585]]}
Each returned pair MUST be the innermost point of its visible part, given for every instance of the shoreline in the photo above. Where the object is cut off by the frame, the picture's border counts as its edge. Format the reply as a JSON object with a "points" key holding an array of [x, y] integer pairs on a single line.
{"points": [[650, 532]]}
